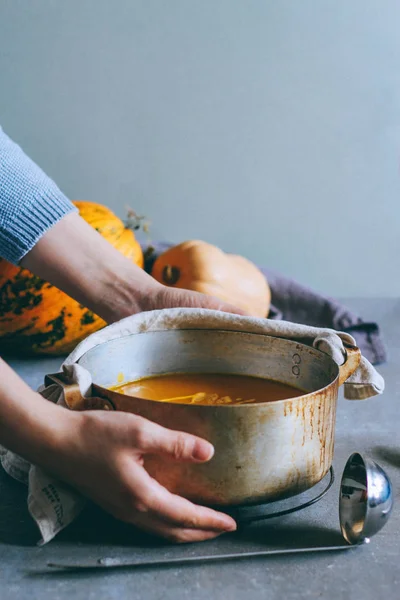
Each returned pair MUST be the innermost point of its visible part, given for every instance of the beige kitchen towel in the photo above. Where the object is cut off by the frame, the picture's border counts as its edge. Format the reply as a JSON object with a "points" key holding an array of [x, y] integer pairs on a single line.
{"points": [[54, 505]]}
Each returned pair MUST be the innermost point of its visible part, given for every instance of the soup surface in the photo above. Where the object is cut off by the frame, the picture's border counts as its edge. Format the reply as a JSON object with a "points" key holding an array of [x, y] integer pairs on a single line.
{"points": [[208, 388]]}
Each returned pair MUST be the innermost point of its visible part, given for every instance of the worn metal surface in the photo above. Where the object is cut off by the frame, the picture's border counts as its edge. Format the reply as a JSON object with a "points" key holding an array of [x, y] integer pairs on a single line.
{"points": [[263, 451], [369, 572]]}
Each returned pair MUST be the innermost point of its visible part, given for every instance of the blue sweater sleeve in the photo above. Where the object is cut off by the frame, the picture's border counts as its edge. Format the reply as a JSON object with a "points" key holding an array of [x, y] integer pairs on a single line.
{"points": [[30, 202]]}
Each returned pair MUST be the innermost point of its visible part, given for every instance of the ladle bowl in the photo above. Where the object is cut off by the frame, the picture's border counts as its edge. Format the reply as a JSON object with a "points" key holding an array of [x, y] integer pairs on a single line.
{"points": [[365, 500]]}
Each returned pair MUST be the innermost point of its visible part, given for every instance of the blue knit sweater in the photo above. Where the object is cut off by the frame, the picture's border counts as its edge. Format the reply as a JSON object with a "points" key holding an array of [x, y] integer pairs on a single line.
{"points": [[30, 202]]}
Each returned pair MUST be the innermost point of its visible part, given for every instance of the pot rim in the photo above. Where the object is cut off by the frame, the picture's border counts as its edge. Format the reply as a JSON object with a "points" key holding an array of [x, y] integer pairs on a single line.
{"points": [[224, 406]]}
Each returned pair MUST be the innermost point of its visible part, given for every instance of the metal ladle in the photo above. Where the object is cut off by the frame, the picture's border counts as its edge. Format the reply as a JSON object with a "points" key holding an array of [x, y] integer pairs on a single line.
{"points": [[365, 503]]}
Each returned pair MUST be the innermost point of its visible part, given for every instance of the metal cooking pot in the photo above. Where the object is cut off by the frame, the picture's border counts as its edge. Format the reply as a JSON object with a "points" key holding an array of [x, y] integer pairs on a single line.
{"points": [[264, 451]]}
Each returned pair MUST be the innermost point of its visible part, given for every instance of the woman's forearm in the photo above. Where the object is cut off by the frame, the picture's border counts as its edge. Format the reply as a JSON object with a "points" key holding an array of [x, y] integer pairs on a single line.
{"points": [[76, 259], [29, 425]]}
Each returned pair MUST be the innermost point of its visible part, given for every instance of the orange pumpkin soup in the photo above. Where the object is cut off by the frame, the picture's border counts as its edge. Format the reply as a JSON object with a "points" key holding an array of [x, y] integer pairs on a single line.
{"points": [[208, 388]]}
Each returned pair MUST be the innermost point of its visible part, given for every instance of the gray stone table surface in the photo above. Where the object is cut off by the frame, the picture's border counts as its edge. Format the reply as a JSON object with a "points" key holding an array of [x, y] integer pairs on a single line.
{"points": [[370, 571]]}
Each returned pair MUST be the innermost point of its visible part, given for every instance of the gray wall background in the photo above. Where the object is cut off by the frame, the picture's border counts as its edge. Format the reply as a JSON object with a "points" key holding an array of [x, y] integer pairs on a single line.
{"points": [[270, 128]]}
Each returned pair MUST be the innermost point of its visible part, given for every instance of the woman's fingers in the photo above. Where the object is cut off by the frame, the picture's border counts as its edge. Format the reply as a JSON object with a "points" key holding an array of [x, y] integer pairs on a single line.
{"points": [[153, 499], [169, 532], [151, 438], [169, 297]]}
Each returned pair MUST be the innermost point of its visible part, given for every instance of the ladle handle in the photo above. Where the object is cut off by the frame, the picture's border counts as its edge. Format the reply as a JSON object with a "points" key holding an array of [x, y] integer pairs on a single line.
{"points": [[351, 364], [113, 563]]}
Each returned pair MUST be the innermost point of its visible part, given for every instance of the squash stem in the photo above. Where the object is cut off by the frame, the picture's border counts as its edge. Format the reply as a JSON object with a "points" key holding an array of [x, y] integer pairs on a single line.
{"points": [[170, 275]]}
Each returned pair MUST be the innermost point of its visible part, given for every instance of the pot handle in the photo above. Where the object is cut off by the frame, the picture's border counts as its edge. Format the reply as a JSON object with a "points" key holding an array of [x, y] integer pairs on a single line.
{"points": [[73, 397], [352, 362]]}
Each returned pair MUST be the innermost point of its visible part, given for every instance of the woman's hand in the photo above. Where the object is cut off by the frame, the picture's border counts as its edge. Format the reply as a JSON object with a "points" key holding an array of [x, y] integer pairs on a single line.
{"points": [[104, 461], [101, 455], [168, 297]]}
